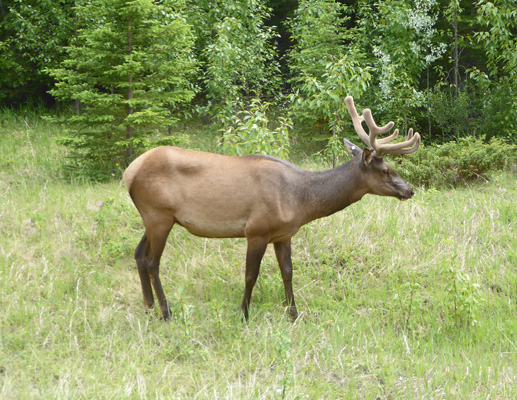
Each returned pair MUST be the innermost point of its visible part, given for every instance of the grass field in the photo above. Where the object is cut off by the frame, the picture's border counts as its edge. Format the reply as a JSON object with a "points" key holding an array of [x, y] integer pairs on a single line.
{"points": [[414, 300]]}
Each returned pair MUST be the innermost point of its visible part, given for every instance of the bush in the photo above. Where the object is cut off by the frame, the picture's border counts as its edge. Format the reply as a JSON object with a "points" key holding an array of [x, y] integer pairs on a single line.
{"points": [[250, 133], [455, 163]]}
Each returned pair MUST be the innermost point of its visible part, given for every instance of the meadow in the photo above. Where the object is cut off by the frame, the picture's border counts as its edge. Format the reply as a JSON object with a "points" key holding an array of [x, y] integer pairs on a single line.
{"points": [[398, 300]]}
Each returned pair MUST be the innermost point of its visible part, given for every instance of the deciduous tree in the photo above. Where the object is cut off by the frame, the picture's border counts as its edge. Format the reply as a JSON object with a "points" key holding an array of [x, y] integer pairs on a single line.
{"points": [[237, 52], [33, 34]]}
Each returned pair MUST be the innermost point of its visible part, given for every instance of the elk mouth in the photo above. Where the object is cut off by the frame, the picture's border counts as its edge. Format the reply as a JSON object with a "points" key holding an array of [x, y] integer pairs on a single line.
{"points": [[404, 198]]}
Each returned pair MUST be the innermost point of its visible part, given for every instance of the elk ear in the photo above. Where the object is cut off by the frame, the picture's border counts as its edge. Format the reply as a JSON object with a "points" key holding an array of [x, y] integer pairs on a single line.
{"points": [[367, 156], [352, 148]]}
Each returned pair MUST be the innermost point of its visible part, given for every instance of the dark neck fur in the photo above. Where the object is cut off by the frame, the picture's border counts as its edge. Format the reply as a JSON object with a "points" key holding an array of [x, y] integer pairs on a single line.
{"points": [[328, 192]]}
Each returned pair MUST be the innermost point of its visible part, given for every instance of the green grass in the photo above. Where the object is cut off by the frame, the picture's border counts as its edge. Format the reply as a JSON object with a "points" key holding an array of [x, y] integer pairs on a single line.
{"points": [[413, 299]]}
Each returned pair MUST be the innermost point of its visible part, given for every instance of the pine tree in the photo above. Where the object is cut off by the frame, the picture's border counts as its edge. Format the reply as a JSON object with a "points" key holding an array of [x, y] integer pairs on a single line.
{"points": [[130, 70]]}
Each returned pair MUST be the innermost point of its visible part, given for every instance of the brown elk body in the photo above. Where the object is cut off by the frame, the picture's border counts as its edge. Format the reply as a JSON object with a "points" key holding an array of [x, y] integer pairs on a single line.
{"points": [[260, 198]]}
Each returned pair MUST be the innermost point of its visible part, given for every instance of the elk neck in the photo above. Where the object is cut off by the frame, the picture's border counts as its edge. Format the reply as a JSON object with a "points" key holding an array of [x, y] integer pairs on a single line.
{"points": [[330, 191]]}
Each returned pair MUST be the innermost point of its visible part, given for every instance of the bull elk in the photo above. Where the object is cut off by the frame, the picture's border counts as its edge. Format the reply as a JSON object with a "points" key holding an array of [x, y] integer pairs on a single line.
{"points": [[260, 198]]}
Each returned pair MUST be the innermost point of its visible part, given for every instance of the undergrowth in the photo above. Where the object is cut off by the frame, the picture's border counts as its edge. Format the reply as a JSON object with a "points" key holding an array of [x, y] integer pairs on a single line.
{"points": [[457, 163]]}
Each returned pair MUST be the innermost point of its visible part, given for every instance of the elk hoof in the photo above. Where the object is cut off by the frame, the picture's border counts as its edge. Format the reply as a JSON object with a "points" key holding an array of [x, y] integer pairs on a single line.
{"points": [[293, 313], [166, 313]]}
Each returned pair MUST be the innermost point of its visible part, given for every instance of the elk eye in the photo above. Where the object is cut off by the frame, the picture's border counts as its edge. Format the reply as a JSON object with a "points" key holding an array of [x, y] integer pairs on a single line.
{"points": [[385, 171]]}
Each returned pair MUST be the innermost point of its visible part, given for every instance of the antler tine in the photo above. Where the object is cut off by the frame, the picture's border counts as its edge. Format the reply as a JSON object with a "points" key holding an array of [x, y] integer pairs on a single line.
{"points": [[378, 130], [389, 138], [379, 145], [357, 120], [403, 147]]}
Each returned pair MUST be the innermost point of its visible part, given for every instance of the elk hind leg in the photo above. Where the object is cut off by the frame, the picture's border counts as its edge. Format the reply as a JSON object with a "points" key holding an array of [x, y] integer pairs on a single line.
{"points": [[148, 255], [141, 252]]}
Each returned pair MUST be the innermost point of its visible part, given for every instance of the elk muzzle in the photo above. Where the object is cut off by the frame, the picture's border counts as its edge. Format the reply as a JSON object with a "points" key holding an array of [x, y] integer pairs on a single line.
{"points": [[403, 190], [409, 195]]}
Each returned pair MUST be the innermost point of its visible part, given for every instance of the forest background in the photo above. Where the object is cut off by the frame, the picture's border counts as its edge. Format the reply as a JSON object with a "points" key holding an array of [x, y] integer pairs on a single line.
{"points": [[129, 75]]}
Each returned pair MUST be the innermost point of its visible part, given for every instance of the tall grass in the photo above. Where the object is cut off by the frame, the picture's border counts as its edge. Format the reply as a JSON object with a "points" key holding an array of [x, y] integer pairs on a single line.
{"points": [[409, 299]]}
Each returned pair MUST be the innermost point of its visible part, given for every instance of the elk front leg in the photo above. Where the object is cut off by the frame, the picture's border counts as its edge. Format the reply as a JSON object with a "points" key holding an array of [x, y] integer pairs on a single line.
{"points": [[254, 254], [283, 255]]}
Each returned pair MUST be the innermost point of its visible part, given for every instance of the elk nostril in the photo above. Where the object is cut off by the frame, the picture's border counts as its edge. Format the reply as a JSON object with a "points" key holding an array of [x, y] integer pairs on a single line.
{"points": [[412, 193]]}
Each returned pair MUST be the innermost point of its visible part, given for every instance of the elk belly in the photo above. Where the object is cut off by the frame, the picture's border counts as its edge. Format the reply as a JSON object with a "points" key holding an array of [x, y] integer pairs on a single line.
{"points": [[212, 228]]}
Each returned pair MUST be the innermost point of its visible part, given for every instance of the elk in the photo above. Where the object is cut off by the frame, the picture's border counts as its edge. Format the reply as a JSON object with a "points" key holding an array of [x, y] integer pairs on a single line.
{"points": [[261, 198]]}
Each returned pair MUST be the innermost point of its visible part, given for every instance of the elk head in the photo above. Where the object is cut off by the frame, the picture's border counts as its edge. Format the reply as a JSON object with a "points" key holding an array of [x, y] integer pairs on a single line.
{"points": [[380, 178]]}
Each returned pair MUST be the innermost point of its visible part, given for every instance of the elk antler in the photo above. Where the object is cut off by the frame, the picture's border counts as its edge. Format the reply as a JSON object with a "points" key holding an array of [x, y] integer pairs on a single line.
{"points": [[380, 145]]}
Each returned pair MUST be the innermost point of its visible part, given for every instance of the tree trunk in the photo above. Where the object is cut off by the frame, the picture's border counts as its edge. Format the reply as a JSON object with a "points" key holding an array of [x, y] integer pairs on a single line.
{"points": [[428, 107], [129, 150], [77, 102], [456, 54]]}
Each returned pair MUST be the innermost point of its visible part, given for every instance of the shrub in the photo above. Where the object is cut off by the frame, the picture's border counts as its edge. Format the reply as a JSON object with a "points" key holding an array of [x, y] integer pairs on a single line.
{"points": [[250, 133], [455, 163], [480, 108]]}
